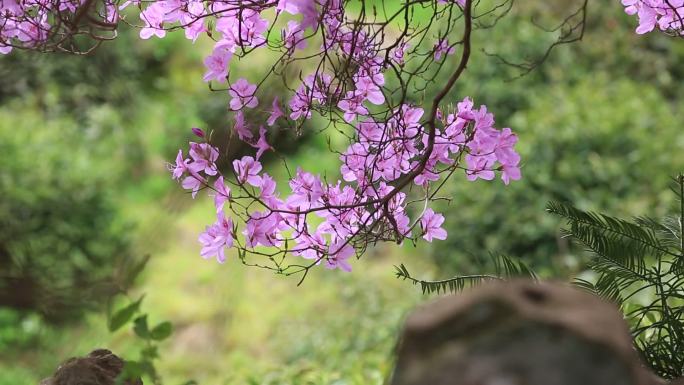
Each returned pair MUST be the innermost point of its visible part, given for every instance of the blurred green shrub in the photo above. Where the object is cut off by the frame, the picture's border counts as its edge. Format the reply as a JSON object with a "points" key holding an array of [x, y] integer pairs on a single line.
{"points": [[599, 143], [61, 241]]}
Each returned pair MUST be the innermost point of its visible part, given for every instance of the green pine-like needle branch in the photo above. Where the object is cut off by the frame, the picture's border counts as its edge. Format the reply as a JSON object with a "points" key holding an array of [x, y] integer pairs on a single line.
{"points": [[504, 267], [639, 264]]}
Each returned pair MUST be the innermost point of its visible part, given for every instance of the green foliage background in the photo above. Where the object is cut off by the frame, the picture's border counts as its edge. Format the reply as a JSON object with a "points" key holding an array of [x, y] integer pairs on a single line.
{"points": [[599, 126]]}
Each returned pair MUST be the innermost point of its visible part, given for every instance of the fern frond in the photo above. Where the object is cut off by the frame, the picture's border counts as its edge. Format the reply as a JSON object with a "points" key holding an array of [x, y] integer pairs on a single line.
{"points": [[608, 288], [670, 232], [617, 270], [505, 267], [585, 285], [625, 252], [508, 268], [451, 285], [607, 225]]}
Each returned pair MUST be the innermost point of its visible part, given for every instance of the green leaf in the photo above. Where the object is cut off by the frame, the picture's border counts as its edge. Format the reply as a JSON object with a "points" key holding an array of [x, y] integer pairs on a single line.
{"points": [[161, 331], [132, 268], [149, 353], [132, 370], [140, 327], [122, 316]]}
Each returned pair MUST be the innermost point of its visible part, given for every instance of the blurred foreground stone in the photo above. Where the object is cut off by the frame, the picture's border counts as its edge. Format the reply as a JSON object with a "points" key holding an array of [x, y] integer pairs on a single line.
{"points": [[518, 333], [100, 367]]}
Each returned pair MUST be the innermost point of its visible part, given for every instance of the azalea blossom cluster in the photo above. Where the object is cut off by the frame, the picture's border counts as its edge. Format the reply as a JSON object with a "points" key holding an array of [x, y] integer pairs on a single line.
{"points": [[379, 75], [53, 25], [328, 222], [666, 15], [392, 146]]}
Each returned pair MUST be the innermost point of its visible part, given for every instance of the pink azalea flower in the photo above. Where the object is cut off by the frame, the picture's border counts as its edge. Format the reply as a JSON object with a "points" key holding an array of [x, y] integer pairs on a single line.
{"points": [[630, 6], [339, 253], [127, 3], [5, 49], [242, 93], [204, 158], [300, 104], [510, 172], [268, 192], [289, 6], [399, 51], [479, 166], [244, 27], [428, 174], [355, 161], [222, 194], [32, 30], [276, 112], [261, 145], [465, 105], [369, 86], [431, 224], [306, 188], [454, 133], [192, 182], [442, 48], [648, 17], [194, 21], [181, 165], [111, 15], [306, 8], [262, 229], [268, 188], [352, 105], [293, 36], [311, 246], [409, 118], [153, 16], [247, 170], [504, 147], [216, 238], [370, 132], [241, 128], [217, 64]]}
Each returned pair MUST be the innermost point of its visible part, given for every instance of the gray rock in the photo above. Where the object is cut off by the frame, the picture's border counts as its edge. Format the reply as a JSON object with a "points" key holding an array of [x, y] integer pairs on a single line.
{"points": [[518, 333]]}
